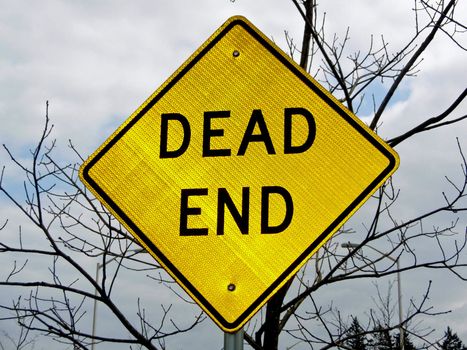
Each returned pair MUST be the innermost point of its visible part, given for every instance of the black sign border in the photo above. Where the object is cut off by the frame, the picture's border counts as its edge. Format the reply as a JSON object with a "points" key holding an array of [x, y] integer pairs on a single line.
{"points": [[249, 312]]}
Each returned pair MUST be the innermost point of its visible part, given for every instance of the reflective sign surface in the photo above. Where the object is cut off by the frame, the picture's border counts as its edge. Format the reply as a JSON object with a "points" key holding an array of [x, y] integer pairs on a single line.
{"points": [[236, 170]]}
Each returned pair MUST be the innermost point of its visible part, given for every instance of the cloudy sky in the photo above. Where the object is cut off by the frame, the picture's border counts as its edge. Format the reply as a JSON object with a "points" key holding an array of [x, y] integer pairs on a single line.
{"points": [[97, 61]]}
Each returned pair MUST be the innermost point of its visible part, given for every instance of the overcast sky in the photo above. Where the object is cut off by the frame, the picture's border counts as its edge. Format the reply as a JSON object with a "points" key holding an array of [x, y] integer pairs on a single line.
{"points": [[97, 61]]}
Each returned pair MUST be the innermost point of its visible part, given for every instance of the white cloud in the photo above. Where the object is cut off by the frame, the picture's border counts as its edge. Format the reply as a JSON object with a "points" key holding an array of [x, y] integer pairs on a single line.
{"points": [[98, 61]]}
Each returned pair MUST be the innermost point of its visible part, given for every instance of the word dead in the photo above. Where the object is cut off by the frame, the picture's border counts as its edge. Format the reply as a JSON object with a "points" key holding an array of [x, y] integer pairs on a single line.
{"points": [[256, 122]]}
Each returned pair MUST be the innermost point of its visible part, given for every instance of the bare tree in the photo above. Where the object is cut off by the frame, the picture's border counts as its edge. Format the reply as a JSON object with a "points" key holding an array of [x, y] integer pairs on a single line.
{"points": [[77, 232], [350, 79], [74, 226]]}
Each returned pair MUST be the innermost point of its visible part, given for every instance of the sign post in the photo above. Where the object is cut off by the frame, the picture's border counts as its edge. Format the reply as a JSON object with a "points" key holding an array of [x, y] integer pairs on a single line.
{"points": [[233, 341], [236, 171]]}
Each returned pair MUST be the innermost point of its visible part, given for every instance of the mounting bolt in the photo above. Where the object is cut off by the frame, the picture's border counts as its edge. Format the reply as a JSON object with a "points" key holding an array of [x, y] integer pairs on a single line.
{"points": [[231, 287], [236, 53]]}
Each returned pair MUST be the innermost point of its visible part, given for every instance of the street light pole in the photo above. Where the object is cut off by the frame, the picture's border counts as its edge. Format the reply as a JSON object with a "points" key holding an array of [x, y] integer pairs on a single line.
{"points": [[399, 297], [94, 310], [350, 245]]}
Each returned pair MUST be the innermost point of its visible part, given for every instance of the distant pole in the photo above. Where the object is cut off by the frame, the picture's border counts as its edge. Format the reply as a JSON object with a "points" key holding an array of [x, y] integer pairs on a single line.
{"points": [[349, 245], [94, 311], [399, 299], [233, 341]]}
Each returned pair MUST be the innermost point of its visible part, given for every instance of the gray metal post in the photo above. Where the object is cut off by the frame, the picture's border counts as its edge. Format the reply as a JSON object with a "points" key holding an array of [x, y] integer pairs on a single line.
{"points": [[399, 300], [233, 341], [399, 288], [94, 311]]}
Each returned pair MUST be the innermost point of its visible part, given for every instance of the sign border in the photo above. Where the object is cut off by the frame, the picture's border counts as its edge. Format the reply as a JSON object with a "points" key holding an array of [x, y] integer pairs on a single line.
{"points": [[321, 239]]}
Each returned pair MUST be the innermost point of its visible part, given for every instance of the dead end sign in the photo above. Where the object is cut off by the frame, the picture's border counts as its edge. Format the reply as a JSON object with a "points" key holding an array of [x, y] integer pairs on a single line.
{"points": [[236, 170]]}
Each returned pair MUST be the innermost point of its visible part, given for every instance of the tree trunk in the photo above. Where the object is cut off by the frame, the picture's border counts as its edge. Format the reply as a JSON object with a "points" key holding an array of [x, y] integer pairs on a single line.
{"points": [[309, 5], [272, 325]]}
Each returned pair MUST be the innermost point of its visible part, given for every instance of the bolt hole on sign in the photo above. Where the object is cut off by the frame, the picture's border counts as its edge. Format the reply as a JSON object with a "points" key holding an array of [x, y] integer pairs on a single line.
{"points": [[236, 171]]}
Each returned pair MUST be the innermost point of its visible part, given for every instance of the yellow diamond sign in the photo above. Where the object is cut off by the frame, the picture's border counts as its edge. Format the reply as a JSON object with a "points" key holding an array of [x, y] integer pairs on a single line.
{"points": [[236, 170]]}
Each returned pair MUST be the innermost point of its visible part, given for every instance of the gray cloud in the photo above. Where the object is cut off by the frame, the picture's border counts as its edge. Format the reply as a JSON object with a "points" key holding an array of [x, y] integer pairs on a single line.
{"points": [[98, 61]]}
